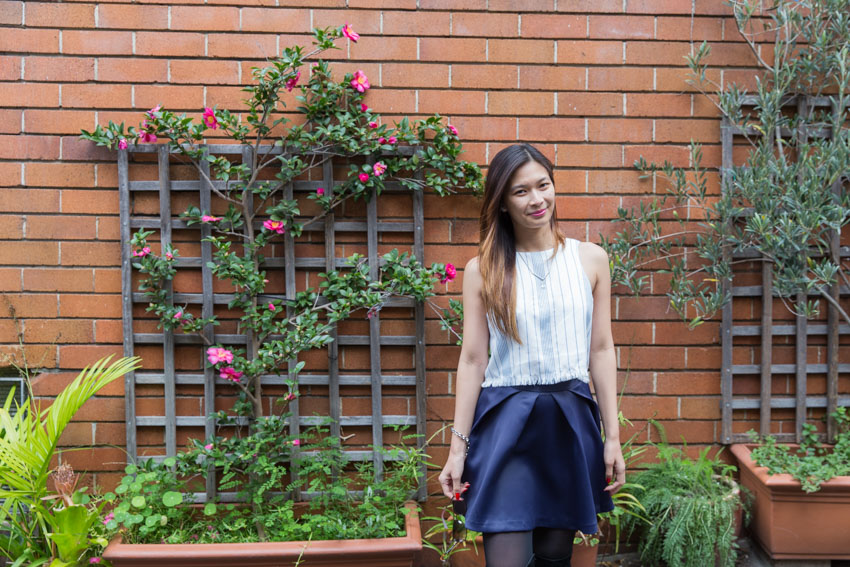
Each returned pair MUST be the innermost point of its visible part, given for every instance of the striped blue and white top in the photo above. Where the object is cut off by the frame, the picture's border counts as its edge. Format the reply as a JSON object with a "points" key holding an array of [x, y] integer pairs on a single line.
{"points": [[554, 308]]}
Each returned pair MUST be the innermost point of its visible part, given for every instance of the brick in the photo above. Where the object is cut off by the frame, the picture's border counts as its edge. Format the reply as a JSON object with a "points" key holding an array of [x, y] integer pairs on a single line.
{"points": [[619, 130], [658, 7], [521, 5], [398, 4], [59, 175], [90, 202], [485, 25], [590, 104], [675, 79], [29, 95], [703, 358], [30, 253], [486, 128], [679, 29], [96, 96], [23, 40], [59, 69], [392, 101], [661, 105], [57, 121], [29, 147], [107, 280], [10, 280], [10, 121], [170, 44], [707, 131], [619, 79], [644, 307], [11, 13], [551, 78], [364, 22], [204, 72], [554, 26], [11, 227], [589, 155], [650, 407], [136, 70], [521, 51], [577, 207], [92, 42], [731, 55], [621, 27], [591, 6], [701, 408], [63, 279], [657, 53], [58, 331], [90, 254], [521, 103], [10, 175], [132, 17], [452, 49], [451, 102], [582, 52], [483, 76], [10, 68], [49, 15], [28, 305], [551, 129], [232, 45], [29, 200], [89, 306], [409, 23], [479, 5], [414, 75], [177, 97], [76, 435], [384, 49], [204, 18], [691, 431], [618, 181], [60, 228], [108, 331], [96, 458], [80, 356]]}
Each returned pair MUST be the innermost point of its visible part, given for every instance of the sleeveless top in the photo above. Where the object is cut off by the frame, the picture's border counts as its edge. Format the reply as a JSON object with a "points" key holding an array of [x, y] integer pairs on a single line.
{"points": [[554, 307]]}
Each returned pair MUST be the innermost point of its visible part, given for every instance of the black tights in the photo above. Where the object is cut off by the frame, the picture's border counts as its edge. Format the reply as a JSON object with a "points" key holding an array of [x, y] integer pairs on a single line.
{"points": [[515, 549]]}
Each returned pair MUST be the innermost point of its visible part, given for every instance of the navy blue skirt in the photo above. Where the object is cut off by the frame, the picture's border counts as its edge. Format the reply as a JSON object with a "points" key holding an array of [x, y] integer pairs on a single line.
{"points": [[535, 459]]}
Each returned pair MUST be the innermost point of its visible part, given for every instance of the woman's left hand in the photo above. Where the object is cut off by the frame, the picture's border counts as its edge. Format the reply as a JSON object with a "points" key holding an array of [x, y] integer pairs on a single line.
{"points": [[615, 467]]}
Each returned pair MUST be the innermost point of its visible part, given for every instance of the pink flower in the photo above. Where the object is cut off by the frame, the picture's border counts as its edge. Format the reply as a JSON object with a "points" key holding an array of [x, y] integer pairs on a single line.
{"points": [[363, 107], [373, 124], [451, 273], [143, 252], [350, 33], [290, 396], [274, 226], [320, 191], [209, 118], [230, 373], [154, 110], [452, 129], [360, 82], [392, 140], [210, 218], [169, 255], [178, 315], [379, 168], [290, 84], [219, 354], [108, 518], [382, 140], [364, 177], [95, 560], [296, 442], [271, 306], [208, 446], [147, 137], [122, 144]]}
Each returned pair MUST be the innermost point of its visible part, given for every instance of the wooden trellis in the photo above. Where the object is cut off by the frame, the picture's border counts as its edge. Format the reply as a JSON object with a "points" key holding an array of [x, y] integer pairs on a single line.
{"points": [[170, 378], [801, 329]]}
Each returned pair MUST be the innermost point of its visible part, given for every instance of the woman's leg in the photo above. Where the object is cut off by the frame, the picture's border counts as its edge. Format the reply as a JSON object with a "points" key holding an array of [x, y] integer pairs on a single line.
{"points": [[552, 547], [508, 549]]}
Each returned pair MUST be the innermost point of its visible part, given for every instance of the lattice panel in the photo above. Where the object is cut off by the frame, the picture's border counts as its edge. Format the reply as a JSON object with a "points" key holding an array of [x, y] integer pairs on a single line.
{"points": [[371, 377]]}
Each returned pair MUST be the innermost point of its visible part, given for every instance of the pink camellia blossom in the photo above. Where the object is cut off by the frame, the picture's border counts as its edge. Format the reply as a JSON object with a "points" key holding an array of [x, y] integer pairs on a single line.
{"points": [[382, 140], [290, 84], [219, 354], [208, 446], [320, 191], [379, 169], [143, 252], [95, 560], [296, 442], [451, 273], [373, 124], [108, 518], [210, 218], [147, 137], [154, 110], [452, 129], [360, 82], [363, 107], [364, 177], [350, 33], [178, 315], [271, 306], [169, 255], [274, 226], [122, 144], [209, 118], [290, 396], [392, 140], [230, 373]]}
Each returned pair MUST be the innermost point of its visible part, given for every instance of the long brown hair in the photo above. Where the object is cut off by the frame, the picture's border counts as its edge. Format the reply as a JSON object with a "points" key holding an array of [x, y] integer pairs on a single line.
{"points": [[497, 245]]}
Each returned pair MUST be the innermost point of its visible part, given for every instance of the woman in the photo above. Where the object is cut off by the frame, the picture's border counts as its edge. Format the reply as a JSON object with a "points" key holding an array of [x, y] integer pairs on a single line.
{"points": [[526, 448]]}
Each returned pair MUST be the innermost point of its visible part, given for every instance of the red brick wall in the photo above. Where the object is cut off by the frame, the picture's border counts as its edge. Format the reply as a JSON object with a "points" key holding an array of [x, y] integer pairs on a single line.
{"points": [[593, 83]]}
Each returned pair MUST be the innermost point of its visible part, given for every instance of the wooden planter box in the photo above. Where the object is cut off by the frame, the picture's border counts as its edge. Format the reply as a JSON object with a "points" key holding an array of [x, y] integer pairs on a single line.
{"points": [[385, 552], [790, 523]]}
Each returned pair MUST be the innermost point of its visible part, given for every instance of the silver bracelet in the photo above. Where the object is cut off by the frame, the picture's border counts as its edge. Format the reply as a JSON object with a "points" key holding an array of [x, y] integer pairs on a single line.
{"points": [[462, 436]]}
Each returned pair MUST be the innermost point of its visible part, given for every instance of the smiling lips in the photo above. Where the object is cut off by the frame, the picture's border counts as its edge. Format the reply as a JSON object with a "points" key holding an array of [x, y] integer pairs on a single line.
{"points": [[538, 214]]}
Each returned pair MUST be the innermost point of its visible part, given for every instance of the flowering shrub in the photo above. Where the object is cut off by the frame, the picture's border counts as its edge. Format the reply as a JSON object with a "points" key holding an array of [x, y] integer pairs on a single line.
{"points": [[418, 155]]}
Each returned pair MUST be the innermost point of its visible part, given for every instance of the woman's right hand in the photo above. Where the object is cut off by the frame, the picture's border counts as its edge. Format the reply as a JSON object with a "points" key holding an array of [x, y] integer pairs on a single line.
{"points": [[450, 476]]}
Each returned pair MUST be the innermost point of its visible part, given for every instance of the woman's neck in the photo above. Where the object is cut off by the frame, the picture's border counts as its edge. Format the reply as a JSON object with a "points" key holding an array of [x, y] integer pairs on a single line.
{"points": [[535, 241]]}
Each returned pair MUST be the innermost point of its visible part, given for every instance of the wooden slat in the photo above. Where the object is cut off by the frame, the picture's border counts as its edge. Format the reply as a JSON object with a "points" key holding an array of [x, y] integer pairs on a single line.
{"points": [[726, 324], [289, 280], [766, 345], [339, 226], [189, 378], [833, 319], [375, 337], [419, 317], [786, 368], [333, 348], [785, 402], [780, 330], [127, 302], [225, 298], [348, 421], [207, 311], [168, 335], [297, 186], [800, 369]]}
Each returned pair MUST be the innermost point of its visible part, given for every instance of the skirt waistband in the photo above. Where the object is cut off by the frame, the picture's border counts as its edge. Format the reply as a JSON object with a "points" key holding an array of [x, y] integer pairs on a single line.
{"points": [[573, 384]]}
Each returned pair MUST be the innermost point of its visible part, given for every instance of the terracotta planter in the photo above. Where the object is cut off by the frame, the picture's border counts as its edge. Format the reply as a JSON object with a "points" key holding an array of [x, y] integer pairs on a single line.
{"points": [[792, 524], [385, 552], [583, 556]]}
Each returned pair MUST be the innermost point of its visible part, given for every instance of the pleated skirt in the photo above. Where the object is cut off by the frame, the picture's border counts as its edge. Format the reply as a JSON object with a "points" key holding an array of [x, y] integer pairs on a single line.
{"points": [[535, 459]]}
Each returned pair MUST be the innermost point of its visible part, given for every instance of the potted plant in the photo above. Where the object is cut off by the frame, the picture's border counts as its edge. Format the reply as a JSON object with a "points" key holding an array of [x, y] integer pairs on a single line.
{"points": [[802, 493], [40, 526], [695, 509]]}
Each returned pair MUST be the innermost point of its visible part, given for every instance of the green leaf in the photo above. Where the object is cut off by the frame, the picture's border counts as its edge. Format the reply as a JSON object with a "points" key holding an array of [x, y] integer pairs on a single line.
{"points": [[172, 499], [138, 501]]}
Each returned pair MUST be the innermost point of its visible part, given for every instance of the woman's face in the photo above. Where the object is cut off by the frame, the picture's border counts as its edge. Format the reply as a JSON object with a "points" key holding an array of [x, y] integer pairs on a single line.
{"points": [[530, 197]]}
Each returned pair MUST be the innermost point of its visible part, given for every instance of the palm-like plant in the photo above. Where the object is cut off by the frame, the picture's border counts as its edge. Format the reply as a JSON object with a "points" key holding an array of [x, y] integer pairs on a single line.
{"points": [[31, 519]]}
